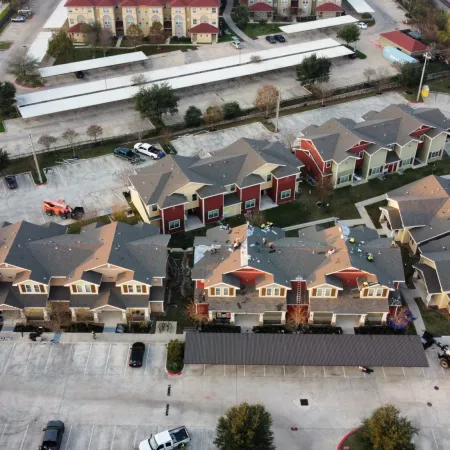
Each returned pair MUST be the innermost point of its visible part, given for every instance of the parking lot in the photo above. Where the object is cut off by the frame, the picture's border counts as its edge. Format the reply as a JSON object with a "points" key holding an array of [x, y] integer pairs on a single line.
{"points": [[107, 405], [91, 183]]}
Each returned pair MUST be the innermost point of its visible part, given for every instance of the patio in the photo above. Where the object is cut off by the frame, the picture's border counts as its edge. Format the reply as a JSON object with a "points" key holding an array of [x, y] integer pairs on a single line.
{"points": [[192, 222], [266, 203]]}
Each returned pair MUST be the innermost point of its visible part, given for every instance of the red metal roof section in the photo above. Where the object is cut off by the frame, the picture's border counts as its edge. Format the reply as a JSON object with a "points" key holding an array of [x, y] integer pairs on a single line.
{"points": [[329, 7], [204, 28], [195, 3], [90, 3], [77, 28], [405, 41], [260, 7], [137, 3]]}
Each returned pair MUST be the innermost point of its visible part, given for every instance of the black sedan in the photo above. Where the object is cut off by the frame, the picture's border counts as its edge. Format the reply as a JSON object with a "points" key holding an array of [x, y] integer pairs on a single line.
{"points": [[137, 354], [280, 38], [11, 182], [271, 39]]}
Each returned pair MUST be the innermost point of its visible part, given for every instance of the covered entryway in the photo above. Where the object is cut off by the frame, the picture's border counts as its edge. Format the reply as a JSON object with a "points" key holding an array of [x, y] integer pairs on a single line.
{"points": [[348, 322], [110, 317], [272, 318], [246, 321]]}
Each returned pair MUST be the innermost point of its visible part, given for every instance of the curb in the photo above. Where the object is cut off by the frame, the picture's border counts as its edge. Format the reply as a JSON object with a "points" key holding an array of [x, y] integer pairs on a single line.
{"points": [[28, 87], [345, 437]]}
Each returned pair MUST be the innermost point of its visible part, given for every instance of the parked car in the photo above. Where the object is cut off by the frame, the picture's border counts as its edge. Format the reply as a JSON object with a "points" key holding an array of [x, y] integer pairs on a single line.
{"points": [[25, 12], [167, 440], [79, 74], [127, 154], [53, 435], [137, 354], [362, 25], [149, 150], [236, 44], [18, 19], [11, 182], [280, 38], [271, 39], [352, 55]]}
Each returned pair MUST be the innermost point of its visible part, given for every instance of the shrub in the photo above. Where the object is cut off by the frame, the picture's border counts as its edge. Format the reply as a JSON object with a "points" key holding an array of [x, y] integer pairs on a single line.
{"points": [[321, 329], [231, 110], [271, 329], [193, 117], [255, 58], [175, 356], [220, 328], [366, 15]]}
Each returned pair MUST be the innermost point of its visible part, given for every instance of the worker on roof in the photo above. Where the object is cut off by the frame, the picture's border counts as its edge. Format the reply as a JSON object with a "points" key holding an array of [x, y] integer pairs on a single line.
{"points": [[352, 240], [370, 257]]}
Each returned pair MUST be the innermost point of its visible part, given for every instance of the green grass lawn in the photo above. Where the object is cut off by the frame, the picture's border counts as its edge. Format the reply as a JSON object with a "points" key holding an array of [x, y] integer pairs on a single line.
{"points": [[442, 85], [5, 44], [4, 12], [353, 442], [256, 29], [435, 322], [374, 212], [2, 127]]}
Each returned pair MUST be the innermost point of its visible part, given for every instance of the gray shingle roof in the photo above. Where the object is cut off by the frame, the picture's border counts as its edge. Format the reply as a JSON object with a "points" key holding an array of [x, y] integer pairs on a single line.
{"points": [[429, 276], [304, 350], [394, 217], [344, 305]]}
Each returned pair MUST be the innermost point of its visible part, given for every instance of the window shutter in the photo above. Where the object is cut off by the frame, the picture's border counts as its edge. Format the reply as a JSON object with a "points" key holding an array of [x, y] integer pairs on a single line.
{"points": [[364, 292], [231, 292], [333, 292], [125, 289], [93, 288], [385, 292], [211, 291], [73, 288], [314, 292], [282, 292], [42, 288], [263, 292], [144, 289], [23, 288]]}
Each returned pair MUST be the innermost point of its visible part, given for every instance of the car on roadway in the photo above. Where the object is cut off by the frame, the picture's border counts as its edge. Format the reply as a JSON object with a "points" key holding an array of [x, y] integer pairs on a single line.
{"points": [[271, 39], [53, 435], [137, 354], [18, 19], [362, 25], [79, 74], [149, 150], [236, 44], [280, 38], [11, 182], [127, 154]]}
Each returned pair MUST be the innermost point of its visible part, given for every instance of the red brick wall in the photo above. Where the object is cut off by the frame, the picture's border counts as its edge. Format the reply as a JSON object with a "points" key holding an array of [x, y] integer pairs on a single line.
{"points": [[172, 213], [202, 308], [284, 184], [200, 284], [211, 203], [250, 193]]}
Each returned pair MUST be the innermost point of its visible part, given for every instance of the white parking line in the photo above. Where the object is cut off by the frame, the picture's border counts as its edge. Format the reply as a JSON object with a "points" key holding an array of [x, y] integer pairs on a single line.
{"points": [[4, 429], [343, 368], [24, 436], [89, 354], [383, 372], [48, 359], [68, 437], [9, 357], [25, 214], [107, 359], [114, 435], [135, 437], [434, 437], [126, 362], [31, 351], [146, 360], [90, 439]]}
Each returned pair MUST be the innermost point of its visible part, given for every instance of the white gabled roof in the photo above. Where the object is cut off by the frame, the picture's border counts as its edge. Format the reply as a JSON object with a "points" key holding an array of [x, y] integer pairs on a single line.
{"points": [[58, 17], [38, 48], [318, 24], [360, 6]]}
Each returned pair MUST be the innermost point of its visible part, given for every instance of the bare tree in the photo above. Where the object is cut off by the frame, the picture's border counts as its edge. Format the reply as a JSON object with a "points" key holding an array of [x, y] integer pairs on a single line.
{"points": [[381, 77], [266, 99], [256, 218], [105, 39], [324, 188], [94, 131], [135, 35], [290, 140], [193, 314], [321, 91], [369, 73], [212, 115], [23, 66], [70, 135], [156, 32], [297, 316], [139, 79], [255, 58], [46, 141], [123, 175]]}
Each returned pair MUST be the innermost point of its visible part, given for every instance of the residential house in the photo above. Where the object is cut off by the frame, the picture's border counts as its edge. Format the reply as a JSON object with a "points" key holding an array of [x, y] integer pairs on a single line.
{"points": [[197, 19], [107, 272], [248, 175], [396, 138], [403, 42], [250, 276], [301, 9]]}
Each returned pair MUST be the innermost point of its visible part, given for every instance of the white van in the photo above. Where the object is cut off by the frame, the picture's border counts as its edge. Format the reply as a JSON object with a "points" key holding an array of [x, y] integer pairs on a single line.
{"points": [[25, 12]]}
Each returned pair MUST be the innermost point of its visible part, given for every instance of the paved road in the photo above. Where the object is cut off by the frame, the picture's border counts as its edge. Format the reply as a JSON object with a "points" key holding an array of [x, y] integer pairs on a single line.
{"points": [[107, 405]]}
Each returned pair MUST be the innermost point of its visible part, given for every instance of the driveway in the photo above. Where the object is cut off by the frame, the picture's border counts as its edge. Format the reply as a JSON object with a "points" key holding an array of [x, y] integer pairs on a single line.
{"points": [[107, 405], [91, 183]]}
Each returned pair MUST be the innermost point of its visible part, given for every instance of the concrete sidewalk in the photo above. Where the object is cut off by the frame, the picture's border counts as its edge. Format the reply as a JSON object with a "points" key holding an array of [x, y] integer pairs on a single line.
{"points": [[232, 25], [408, 296]]}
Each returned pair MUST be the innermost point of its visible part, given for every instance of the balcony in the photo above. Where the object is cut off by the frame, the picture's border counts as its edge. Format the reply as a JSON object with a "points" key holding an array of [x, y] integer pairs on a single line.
{"points": [[266, 202]]}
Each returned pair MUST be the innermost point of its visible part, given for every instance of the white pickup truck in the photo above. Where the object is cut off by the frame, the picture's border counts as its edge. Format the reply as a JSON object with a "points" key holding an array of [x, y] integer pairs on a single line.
{"points": [[167, 440]]}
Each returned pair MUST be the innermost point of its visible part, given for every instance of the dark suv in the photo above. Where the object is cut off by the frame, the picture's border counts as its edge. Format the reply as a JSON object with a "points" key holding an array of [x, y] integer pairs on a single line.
{"points": [[127, 154], [53, 435]]}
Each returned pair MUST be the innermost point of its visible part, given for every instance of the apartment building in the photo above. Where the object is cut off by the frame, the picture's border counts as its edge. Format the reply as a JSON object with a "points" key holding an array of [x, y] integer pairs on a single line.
{"points": [[394, 139], [178, 193], [292, 9], [197, 19], [109, 273], [252, 276]]}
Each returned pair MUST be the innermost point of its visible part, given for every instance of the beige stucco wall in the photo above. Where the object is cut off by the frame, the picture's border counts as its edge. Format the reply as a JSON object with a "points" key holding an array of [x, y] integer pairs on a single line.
{"points": [[144, 211], [378, 159], [109, 273], [88, 14], [232, 210], [189, 190], [436, 144], [9, 273], [179, 12], [407, 151], [346, 167], [147, 15], [442, 300], [264, 171]]}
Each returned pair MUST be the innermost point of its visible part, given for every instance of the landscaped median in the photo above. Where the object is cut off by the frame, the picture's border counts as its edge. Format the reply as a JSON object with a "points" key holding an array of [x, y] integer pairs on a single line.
{"points": [[175, 358]]}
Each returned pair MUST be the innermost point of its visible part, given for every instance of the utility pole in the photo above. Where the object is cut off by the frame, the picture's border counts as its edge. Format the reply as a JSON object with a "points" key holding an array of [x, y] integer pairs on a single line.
{"points": [[38, 170], [427, 57], [278, 110]]}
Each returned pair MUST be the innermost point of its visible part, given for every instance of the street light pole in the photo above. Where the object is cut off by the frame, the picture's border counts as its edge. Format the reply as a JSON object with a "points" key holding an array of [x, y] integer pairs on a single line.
{"points": [[277, 110], [38, 170], [427, 57]]}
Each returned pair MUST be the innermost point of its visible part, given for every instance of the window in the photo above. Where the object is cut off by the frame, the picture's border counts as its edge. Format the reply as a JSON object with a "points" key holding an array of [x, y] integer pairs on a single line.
{"points": [[91, 21], [328, 164], [178, 10], [194, 21], [194, 10], [105, 10], [269, 177], [76, 288], [154, 11], [232, 188], [154, 207], [72, 21], [128, 10], [273, 292], [374, 170], [70, 9], [323, 292], [138, 289], [88, 289], [217, 291], [226, 291], [344, 179], [378, 292], [213, 214], [285, 194], [250, 204], [89, 9], [214, 22], [214, 10], [407, 162], [130, 289], [174, 224], [434, 154]]}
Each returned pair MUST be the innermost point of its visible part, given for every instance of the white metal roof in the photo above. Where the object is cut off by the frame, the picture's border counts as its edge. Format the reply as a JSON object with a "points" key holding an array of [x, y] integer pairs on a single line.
{"points": [[360, 6], [318, 24], [171, 72], [39, 47], [90, 64], [58, 17], [126, 93]]}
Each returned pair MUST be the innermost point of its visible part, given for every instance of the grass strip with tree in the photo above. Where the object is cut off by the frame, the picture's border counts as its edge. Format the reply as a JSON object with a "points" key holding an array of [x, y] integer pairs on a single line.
{"points": [[175, 357]]}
